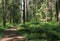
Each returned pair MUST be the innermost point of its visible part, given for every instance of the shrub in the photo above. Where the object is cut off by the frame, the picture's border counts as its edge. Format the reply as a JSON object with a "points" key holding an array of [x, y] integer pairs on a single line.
{"points": [[49, 30]]}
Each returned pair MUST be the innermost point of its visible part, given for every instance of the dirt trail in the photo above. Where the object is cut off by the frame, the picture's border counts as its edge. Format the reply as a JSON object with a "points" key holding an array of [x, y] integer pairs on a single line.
{"points": [[10, 35]]}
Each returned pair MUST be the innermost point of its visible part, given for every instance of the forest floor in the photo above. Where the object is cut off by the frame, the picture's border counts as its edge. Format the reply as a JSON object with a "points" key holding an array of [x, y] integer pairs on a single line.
{"points": [[10, 35]]}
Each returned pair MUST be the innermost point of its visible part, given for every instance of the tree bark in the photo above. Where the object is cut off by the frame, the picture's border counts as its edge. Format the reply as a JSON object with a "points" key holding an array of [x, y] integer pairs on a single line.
{"points": [[4, 12], [57, 10], [24, 11], [47, 10], [50, 9], [59, 13]]}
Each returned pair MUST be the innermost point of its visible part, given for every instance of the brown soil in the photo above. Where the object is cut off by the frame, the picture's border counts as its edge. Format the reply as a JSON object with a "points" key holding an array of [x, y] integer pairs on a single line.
{"points": [[10, 35]]}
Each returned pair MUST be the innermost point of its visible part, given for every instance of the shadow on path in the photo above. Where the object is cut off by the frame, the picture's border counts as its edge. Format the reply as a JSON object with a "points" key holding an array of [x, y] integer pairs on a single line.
{"points": [[10, 35]]}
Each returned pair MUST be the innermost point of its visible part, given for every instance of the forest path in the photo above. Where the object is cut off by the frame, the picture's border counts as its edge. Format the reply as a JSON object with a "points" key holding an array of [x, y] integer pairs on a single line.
{"points": [[11, 35]]}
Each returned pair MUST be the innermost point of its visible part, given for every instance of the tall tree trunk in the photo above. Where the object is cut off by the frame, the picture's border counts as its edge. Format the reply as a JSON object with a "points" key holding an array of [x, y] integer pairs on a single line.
{"points": [[57, 10], [21, 11], [4, 12], [24, 11], [46, 10], [27, 11], [59, 13], [50, 9], [13, 11]]}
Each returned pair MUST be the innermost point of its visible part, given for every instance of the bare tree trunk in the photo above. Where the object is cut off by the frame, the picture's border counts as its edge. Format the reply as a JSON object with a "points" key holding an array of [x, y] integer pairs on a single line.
{"points": [[57, 10], [27, 11], [22, 3], [13, 19], [46, 10], [24, 11], [59, 13], [50, 9], [4, 12]]}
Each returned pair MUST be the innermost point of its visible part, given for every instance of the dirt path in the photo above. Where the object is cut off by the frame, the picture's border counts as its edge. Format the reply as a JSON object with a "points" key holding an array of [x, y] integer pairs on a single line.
{"points": [[10, 35], [18, 38]]}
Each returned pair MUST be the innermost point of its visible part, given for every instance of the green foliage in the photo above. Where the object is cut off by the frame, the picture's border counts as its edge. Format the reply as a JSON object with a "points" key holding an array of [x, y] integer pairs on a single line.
{"points": [[1, 32], [49, 30], [38, 40], [35, 36], [9, 25], [33, 30]]}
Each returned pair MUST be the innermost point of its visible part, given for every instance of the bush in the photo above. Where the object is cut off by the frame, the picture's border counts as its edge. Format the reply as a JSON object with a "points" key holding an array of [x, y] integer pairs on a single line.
{"points": [[1, 32], [47, 30], [9, 25], [35, 36]]}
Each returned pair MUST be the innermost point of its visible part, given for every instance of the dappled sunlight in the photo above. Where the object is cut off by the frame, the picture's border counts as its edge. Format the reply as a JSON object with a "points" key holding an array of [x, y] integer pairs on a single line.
{"points": [[29, 20]]}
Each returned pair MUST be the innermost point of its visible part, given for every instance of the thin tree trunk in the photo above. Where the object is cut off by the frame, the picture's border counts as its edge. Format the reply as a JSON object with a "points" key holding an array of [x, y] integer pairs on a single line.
{"points": [[22, 3], [27, 11], [24, 12], [4, 12], [57, 10], [50, 9], [46, 10], [13, 12], [59, 13]]}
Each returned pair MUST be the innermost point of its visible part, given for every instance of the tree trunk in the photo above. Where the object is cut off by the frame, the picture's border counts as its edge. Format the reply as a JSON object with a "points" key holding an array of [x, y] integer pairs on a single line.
{"points": [[27, 11], [57, 10], [59, 13], [46, 10], [50, 9], [4, 12], [24, 11], [22, 3], [13, 11]]}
